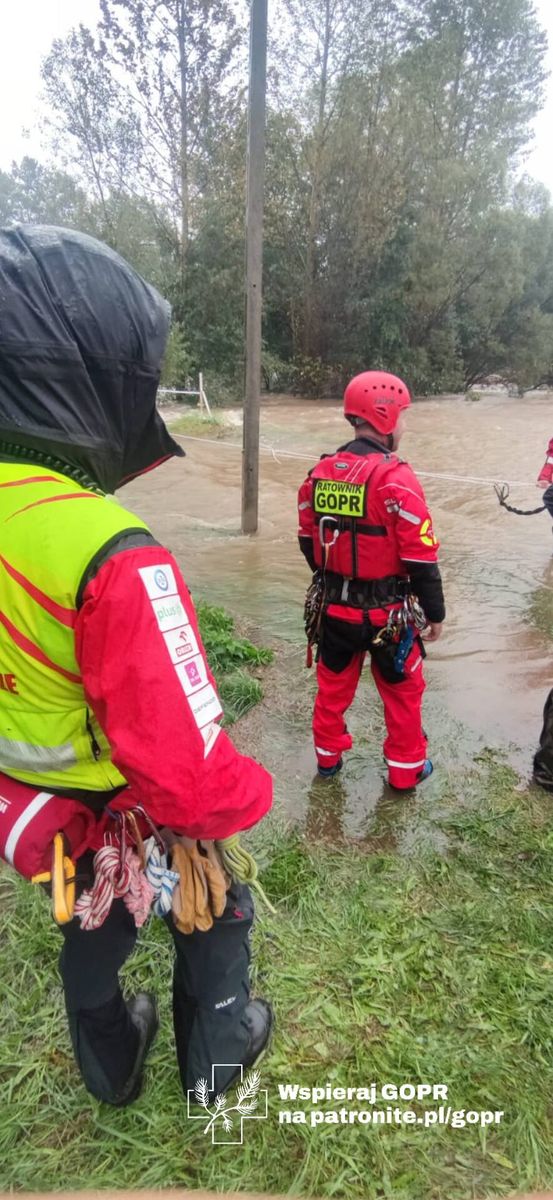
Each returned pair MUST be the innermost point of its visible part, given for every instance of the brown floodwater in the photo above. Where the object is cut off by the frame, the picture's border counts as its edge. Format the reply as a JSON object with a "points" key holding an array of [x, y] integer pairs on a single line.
{"points": [[488, 675]]}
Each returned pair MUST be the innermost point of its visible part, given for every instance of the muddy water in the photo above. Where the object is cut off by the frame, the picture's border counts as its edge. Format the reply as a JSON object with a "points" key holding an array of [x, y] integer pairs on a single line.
{"points": [[487, 677]]}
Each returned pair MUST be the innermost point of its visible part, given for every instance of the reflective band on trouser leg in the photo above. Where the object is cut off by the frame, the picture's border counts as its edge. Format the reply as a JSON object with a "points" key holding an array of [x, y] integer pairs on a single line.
{"points": [[31, 811], [405, 744], [405, 766]]}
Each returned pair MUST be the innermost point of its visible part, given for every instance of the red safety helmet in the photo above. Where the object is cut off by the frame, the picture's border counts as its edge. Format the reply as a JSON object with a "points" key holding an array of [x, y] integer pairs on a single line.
{"points": [[378, 398]]}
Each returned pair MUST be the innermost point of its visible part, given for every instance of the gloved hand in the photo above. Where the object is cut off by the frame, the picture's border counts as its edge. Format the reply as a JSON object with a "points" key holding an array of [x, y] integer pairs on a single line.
{"points": [[201, 893]]}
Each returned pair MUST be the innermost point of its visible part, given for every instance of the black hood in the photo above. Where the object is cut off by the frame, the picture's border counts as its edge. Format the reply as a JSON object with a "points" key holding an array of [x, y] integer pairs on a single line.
{"points": [[82, 337]]}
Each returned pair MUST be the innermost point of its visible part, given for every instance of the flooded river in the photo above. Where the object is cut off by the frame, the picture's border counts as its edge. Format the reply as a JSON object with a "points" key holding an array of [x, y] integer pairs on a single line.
{"points": [[489, 674]]}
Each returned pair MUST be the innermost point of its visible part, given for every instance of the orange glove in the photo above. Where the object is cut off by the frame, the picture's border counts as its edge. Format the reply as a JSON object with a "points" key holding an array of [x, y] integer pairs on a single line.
{"points": [[201, 892]]}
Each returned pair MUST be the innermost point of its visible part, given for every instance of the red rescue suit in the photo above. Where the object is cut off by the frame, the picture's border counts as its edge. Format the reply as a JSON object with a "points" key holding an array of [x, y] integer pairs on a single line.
{"points": [[546, 473], [165, 738], [364, 518]]}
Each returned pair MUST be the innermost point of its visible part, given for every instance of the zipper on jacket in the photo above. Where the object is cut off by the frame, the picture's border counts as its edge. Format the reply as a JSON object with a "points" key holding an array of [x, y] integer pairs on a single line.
{"points": [[96, 748]]}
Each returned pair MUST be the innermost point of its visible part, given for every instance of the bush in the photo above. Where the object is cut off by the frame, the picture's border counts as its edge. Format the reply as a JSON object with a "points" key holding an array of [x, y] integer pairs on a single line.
{"points": [[177, 363], [224, 650], [222, 391], [276, 375], [229, 658], [309, 376]]}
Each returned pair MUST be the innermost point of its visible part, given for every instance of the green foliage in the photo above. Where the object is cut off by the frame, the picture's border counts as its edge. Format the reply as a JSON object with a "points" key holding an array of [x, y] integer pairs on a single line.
{"points": [[239, 692], [393, 234], [223, 390], [230, 657], [177, 362], [195, 423], [224, 650], [309, 376], [276, 374]]}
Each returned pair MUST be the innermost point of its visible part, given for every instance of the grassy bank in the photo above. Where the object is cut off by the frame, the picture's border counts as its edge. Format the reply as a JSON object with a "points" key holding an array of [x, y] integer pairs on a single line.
{"points": [[434, 969], [232, 660], [194, 424]]}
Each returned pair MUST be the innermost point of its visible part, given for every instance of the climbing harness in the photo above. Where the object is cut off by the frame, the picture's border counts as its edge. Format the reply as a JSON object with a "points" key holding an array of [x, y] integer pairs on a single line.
{"points": [[502, 493], [136, 869]]}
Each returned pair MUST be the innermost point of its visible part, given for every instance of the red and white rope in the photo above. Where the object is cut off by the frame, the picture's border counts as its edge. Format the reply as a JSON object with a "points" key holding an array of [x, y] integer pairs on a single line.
{"points": [[114, 879]]}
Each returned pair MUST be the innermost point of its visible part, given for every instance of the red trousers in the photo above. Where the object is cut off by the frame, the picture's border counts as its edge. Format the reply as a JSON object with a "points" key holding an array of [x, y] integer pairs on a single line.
{"points": [[342, 653]]}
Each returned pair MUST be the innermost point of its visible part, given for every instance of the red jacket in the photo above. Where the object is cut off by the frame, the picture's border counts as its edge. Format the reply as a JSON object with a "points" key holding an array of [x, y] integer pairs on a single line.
{"points": [[146, 677], [546, 473], [395, 505]]}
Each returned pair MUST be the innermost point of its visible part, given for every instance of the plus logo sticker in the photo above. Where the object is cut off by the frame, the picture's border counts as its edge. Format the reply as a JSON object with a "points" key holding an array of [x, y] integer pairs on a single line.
{"points": [[224, 1119]]}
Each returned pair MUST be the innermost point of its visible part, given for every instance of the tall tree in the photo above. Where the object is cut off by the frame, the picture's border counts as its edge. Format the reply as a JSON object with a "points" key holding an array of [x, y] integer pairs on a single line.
{"points": [[138, 97]]}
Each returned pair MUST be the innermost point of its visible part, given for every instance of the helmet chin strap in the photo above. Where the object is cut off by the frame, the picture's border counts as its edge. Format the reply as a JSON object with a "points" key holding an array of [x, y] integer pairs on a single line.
{"points": [[386, 440]]}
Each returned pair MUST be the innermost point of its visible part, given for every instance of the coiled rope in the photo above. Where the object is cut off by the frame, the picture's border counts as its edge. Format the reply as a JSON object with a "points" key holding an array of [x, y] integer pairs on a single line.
{"points": [[241, 865], [113, 879]]}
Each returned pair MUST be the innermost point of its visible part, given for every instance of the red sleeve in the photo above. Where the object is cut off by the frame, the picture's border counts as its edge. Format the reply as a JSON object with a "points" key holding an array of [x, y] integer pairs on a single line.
{"points": [[546, 473], [305, 510], [146, 677], [403, 497]]}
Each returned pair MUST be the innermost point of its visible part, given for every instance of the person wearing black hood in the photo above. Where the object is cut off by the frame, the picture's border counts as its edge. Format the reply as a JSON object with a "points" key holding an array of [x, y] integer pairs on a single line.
{"points": [[103, 676]]}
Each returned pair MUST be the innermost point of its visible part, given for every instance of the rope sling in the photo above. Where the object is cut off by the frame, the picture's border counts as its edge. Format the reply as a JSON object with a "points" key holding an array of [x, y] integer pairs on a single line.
{"points": [[502, 493]]}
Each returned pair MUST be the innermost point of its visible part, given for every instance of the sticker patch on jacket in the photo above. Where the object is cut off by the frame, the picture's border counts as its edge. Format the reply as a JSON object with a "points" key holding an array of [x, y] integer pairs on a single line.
{"points": [[159, 581], [193, 674], [182, 646], [331, 496]]}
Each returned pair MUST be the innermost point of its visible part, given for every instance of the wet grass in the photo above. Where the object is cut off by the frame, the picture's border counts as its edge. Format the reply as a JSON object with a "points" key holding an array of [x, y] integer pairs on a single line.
{"points": [[433, 967], [231, 659], [195, 425], [540, 610]]}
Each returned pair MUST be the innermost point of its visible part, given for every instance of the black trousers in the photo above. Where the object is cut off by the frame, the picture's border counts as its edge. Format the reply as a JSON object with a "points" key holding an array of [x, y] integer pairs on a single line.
{"points": [[548, 499], [543, 759], [211, 988]]}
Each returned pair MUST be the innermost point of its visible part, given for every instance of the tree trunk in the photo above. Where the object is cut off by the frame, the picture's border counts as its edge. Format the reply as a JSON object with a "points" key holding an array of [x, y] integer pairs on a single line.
{"points": [[180, 14], [310, 333]]}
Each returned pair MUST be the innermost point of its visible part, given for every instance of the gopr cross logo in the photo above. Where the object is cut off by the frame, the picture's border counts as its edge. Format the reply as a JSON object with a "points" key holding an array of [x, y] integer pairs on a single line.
{"points": [[224, 1119], [427, 533], [161, 580]]}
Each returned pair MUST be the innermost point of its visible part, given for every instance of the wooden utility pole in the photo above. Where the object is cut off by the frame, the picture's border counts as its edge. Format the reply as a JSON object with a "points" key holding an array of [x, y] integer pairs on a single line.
{"points": [[254, 262]]}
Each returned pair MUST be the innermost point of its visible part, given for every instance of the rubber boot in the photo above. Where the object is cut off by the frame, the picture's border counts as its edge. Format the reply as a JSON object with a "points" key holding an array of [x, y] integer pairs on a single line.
{"points": [[260, 1018]]}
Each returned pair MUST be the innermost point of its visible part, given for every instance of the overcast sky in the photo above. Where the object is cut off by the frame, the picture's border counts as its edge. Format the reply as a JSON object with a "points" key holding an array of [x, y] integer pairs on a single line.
{"points": [[29, 28]]}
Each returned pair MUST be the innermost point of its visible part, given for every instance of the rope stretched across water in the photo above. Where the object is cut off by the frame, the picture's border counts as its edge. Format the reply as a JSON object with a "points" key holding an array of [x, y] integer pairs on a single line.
{"points": [[293, 454]]}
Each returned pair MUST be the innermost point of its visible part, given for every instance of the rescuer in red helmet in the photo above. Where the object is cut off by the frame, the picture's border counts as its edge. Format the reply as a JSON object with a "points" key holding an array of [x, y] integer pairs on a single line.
{"points": [[365, 528]]}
